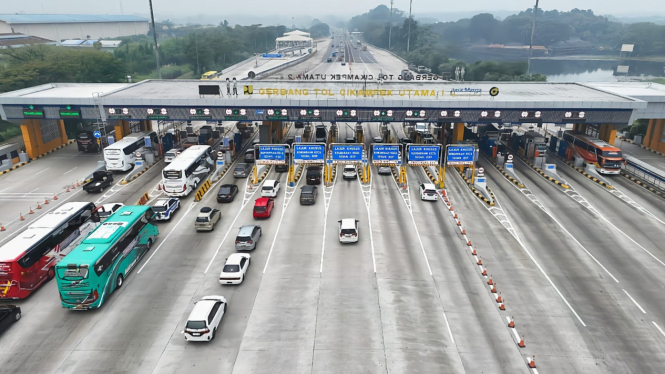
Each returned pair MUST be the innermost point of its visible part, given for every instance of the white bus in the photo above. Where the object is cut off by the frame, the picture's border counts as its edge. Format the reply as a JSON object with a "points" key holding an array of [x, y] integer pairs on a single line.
{"points": [[184, 174], [29, 259], [119, 156]]}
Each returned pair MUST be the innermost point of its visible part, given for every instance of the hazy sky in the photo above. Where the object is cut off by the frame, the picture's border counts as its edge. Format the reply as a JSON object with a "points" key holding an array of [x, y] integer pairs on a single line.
{"points": [[317, 7]]}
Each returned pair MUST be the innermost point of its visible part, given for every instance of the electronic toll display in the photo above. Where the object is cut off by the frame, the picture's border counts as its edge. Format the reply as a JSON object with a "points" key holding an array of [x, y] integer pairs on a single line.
{"points": [[574, 117], [490, 116], [119, 113], [200, 114], [450, 115], [415, 114], [531, 116], [157, 113], [69, 112], [310, 114], [235, 114], [277, 114], [33, 112], [346, 114], [383, 115]]}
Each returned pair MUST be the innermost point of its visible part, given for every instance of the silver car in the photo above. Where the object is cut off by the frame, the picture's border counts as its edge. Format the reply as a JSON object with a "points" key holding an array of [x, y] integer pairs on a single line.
{"points": [[248, 237]]}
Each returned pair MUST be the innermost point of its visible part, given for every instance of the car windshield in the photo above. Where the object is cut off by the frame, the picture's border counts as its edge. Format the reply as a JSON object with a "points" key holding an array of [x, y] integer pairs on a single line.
{"points": [[348, 231], [159, 208], [202, 219], [231, 268], [196, 325]]}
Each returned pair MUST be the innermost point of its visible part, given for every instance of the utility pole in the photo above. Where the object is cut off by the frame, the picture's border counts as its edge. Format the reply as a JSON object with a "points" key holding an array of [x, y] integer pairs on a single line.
{"points": [[408, 38], [533, 29], [390, 28], [154, 36], [196, 45]]}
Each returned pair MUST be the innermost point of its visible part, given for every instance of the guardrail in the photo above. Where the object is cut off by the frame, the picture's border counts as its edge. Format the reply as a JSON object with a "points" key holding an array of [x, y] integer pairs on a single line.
{"points": [[264, 74], [645, 172], [235, 66]]}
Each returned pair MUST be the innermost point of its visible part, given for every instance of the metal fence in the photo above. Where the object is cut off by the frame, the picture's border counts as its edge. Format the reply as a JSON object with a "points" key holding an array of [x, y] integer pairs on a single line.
{"points": [[645, 172]]}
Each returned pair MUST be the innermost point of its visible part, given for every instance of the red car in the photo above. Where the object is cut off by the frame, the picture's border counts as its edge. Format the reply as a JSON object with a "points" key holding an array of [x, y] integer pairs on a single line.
{"points": [[263, 207]]}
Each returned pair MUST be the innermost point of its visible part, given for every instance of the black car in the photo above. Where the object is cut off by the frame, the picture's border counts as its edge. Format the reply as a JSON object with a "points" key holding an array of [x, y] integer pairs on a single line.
{"points": [[313, 175], [242, 170], [350, 139], [8, 315], [226, 193], [405, 141], [100, 180], [308, 195]]}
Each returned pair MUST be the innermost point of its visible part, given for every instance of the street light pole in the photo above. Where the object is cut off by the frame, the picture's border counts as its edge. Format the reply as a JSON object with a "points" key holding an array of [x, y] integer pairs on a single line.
{"points": [[154, 36], [390, 28], [196, 45], [533, 29], [408, 38]]}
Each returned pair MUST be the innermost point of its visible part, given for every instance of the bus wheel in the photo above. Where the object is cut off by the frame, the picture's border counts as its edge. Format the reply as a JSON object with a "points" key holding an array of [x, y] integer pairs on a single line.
{"points": [[51, 273], [118, 281]]}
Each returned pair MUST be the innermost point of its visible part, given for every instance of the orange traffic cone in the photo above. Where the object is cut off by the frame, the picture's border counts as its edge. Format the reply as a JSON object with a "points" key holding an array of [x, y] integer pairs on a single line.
{"points": [[73, 186], [532, 363], [484, 272], [159, 187], [451, 207], [443, 192], [463, 232], [45, 201], [67, 190], [511, 324], [498, 299], [480, 262], [474, 252], [502, 307], [78, 184], [455, 216], [521, 344], [469, 243], [39, 206], [459, 223], [490, 282], [20, 217], [493, 289], [55, 197], [2, 228], [31, 211]]}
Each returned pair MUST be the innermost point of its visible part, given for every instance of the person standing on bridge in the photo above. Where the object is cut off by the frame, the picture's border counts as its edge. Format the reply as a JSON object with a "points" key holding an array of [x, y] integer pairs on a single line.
{"points": [[228, 87], [235, 87]]}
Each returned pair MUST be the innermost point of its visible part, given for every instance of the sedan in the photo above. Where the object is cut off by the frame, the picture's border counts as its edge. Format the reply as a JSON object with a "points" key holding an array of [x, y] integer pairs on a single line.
{"points": [[234, 269], [9, 314], [385, 170], [226, 193]]}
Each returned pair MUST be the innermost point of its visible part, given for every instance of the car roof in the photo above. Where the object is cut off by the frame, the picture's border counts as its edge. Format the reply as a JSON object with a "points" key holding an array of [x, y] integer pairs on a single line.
{"points": [[262, 201], [270, 182], [246, 230], [159, 202], [308, 188], [234, 258], [201, 310], [349, 223]]}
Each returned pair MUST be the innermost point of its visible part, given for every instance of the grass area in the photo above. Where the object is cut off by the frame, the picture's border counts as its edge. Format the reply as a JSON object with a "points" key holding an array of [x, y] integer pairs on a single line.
{"points": [[658, 80], [8, 130]]}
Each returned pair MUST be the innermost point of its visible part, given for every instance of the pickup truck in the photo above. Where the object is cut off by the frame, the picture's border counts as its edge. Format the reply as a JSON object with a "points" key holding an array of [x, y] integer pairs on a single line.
{"points": [[100, 180]]}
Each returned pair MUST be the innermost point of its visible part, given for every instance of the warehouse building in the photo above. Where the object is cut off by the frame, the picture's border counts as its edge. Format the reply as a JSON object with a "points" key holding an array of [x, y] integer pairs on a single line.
{"points": [[59, 27]]}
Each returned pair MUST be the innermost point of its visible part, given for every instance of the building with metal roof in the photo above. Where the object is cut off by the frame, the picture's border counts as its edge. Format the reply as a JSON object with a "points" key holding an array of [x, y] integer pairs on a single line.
{"points": [[14, 40], [73, 26]]}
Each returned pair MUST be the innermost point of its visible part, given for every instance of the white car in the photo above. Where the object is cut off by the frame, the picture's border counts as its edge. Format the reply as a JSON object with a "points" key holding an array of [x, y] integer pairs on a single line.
{"points": [[234, 269], [171, 155], [348, 230], [349, 172], [270, 188], [164, 208], [421, 127], [385, 170], [428, 192], [205, 317]]}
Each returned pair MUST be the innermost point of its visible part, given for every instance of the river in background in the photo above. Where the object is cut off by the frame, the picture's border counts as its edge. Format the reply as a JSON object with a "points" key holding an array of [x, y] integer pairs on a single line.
{"points": [[596, 70]]}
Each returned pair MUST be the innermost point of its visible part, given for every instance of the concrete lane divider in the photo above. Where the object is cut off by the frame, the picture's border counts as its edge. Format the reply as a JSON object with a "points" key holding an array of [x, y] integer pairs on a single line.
{"points": [[430, 175], [144, 199], [475, 190], [202, 190], [534, 167], [508, 176], [593, 178], [643, 184], [55, 149]]}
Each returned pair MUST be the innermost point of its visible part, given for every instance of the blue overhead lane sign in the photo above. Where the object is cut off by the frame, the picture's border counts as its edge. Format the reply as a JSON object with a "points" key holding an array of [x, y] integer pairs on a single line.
{"points": [[385, 153], [271, 154], [423, 155], [460, 155], [304, 153], [347, 152]]}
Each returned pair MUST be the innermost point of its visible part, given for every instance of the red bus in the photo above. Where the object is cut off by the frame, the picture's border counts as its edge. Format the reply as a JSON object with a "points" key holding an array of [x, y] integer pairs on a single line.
{"points": [[28, 260], [604, 156]]}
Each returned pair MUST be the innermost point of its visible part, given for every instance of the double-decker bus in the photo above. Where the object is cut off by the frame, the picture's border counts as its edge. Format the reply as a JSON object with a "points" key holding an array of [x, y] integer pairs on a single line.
{"points": [[98, 266], [120, 156], [191, 167], [208, 75], [28, 260], [604, 156]]}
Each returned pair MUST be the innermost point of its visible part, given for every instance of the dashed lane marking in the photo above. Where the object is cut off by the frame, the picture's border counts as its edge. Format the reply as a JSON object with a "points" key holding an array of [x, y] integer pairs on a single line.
{"points": [[366, 190], [327, 197], [533, 259], [634, 302], [658, 327]]}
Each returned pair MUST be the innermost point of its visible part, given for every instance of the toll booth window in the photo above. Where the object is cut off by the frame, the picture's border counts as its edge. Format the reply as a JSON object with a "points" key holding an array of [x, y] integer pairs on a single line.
{"points": [[14, 154]]}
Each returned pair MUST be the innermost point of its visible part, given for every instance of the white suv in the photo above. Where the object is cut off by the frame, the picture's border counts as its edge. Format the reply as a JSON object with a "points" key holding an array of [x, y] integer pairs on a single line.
{"points": [[270, 188], [428, 192], [205, 317], [349, 172], [348, 230]]}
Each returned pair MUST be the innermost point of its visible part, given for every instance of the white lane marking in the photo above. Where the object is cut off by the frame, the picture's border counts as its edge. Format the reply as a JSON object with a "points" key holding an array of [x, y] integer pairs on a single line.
{"points": [[450, 332], [70, 170], [458, 178], [368, 201], [244, 204], [658, 327], [632, 240], [39, 172], [635, 302], [4, 189], [167, 236], [274, 239], [28, 193], [327, 197], [28, 223]]}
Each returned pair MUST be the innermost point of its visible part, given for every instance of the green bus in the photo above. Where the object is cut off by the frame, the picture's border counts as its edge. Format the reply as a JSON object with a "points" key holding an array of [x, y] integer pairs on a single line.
{"points": [[99, 265]]}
